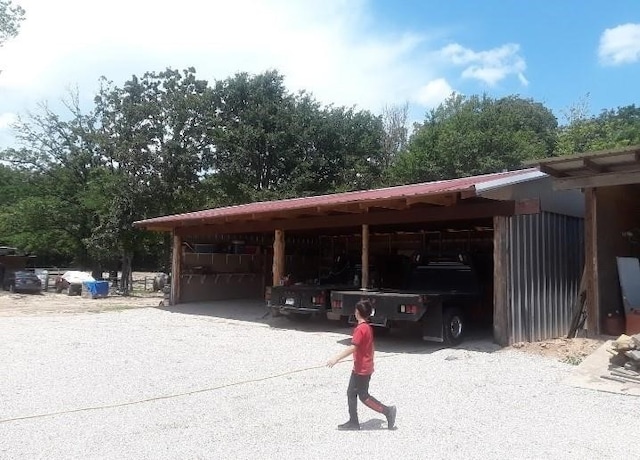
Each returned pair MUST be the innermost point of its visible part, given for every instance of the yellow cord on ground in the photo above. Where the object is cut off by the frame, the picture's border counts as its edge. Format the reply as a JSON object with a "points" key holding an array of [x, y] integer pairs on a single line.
{"points": [[171, 396], [158, 398]]}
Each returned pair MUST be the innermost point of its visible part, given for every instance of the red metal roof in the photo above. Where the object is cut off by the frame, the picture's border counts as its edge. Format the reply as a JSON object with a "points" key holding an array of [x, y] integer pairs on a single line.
{"points": [[464, 184]]}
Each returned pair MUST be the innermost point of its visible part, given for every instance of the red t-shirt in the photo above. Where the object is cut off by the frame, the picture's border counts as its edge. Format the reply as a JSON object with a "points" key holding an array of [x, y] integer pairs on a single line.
{"points": [[363, 356]]}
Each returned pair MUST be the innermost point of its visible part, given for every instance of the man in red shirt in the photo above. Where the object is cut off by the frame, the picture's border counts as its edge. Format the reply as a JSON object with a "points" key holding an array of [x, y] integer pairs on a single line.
{"points": [[362, 349]]}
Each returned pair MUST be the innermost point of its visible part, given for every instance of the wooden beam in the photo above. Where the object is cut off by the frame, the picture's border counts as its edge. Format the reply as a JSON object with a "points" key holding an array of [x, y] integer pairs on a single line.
{"points": [[598, 180], [469, 193], [592, 154], [500, 281], [593, 166], [528, 206], [278, 257], [474, 211], [448, 199], [591, 262], [550, 171], [365, 256], [348, 208], [393, 204], [176, 269]]}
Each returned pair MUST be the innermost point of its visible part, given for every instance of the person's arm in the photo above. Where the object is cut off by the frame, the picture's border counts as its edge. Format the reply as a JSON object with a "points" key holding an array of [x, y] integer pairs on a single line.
{"points": [[340, 356]]}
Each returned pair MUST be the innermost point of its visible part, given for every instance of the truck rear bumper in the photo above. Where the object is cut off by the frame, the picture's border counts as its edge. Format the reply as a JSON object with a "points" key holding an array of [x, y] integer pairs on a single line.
{"points": [[291, 309], [379, 321]]}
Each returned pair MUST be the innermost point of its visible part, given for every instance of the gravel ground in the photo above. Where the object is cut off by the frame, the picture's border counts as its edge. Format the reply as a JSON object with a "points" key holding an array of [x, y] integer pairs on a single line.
{"points": [[239, 386]]}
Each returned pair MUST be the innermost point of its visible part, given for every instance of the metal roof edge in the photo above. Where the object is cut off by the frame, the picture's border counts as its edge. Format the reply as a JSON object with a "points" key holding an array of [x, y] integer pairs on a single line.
{"points": [[526, 176], [466, 185]]}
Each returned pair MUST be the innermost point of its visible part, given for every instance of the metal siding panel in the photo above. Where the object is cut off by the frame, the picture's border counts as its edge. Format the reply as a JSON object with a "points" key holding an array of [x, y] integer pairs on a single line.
{"points": [[545, 264]]}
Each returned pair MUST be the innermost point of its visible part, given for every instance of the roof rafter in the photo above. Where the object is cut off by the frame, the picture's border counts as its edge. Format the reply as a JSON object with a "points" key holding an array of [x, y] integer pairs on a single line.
{"points": [[593, 166], [416, 215]]}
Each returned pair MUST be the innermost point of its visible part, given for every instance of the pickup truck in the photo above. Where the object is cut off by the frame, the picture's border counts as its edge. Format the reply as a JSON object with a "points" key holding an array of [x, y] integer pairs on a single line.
{"points": [[439, 294], [301, 301]]}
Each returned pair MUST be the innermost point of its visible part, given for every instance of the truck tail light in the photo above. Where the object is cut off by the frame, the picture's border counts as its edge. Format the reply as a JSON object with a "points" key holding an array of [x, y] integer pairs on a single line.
{"points": [[409, 309], [318, 299], [337, 304]]}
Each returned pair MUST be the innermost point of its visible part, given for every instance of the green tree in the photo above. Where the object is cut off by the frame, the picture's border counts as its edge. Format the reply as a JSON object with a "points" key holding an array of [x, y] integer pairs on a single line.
{"points": [[154, 141], [52, 219], [272, 144], [469, 135], [611, 129], [167, 143]]}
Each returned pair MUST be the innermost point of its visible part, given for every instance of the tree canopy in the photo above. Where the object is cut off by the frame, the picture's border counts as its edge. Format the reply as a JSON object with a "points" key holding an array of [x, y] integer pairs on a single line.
{"points": [[169, 142], [613, 128], [475, 135]]}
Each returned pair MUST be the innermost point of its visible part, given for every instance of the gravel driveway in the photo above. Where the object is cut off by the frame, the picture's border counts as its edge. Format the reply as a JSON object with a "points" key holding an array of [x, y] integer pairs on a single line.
{"points": [[238, 386]]}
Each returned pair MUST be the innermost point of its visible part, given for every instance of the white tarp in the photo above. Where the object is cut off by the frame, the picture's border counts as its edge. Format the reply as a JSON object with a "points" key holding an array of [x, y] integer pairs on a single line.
{"points": [[74, 277]]}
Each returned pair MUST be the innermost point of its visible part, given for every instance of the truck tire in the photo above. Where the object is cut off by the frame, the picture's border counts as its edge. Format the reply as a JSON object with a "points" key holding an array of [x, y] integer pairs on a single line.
{"points": [[453, 326]]}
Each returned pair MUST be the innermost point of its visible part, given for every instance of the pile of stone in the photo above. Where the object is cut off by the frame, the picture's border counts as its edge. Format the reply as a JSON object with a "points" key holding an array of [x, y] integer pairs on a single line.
{"points": [[624, 364]]}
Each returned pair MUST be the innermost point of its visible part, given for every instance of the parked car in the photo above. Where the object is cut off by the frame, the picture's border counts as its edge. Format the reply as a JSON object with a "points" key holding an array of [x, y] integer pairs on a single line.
{"points": [[22, 281]]}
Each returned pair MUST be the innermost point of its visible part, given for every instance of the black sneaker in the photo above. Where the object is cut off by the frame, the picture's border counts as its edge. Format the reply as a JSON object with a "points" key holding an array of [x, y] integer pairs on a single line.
{"points": [[349, 426], [391, 417]]}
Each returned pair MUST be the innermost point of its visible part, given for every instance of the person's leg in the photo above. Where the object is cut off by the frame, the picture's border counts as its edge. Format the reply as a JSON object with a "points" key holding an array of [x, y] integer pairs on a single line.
{"points": [[362, 384], [352, 400], [368, 400]]}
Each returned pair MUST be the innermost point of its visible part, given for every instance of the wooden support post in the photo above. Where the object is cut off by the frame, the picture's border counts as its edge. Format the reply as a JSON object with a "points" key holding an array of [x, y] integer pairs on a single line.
{"points": [[278, 257], [176, 269], [500, 281], [591, 262], [365, 256]]}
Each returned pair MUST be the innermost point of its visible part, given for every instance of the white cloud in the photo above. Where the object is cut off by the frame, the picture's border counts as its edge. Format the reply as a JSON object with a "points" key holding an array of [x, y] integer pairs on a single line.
{"points": [[620, 45], [330, 48], [491, 66], [434, 93]]}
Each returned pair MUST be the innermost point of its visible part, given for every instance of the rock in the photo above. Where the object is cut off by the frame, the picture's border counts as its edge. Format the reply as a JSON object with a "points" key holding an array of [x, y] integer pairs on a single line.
{"points": [[623, 343]]}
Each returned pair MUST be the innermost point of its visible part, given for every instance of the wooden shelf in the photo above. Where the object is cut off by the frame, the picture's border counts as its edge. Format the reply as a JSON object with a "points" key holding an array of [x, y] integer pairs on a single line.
{"points": [[219, 277]]}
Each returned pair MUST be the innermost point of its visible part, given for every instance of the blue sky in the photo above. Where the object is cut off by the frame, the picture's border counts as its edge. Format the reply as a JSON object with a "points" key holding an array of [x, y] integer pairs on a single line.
{"points": [[368, 53]]}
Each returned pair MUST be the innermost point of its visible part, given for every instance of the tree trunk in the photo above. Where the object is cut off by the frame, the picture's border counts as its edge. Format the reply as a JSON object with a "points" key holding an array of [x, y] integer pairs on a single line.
{"points": [[127, 275]]}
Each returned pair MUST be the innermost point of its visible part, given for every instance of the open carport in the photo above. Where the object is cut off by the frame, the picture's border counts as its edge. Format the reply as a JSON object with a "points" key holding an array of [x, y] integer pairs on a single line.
{"points": [[529, 236]]}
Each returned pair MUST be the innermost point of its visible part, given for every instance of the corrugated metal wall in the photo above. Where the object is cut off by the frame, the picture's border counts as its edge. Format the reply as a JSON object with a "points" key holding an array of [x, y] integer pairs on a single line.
{"points": [[546, 256]]}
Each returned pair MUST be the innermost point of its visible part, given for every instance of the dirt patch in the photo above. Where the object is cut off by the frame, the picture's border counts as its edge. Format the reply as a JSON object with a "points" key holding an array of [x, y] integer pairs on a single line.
{"points": [[571, 351], [50, 302]]}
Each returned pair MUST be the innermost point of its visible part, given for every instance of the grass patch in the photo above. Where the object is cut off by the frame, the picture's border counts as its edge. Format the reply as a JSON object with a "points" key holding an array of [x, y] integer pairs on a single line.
{"points": [[572, 359]]}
